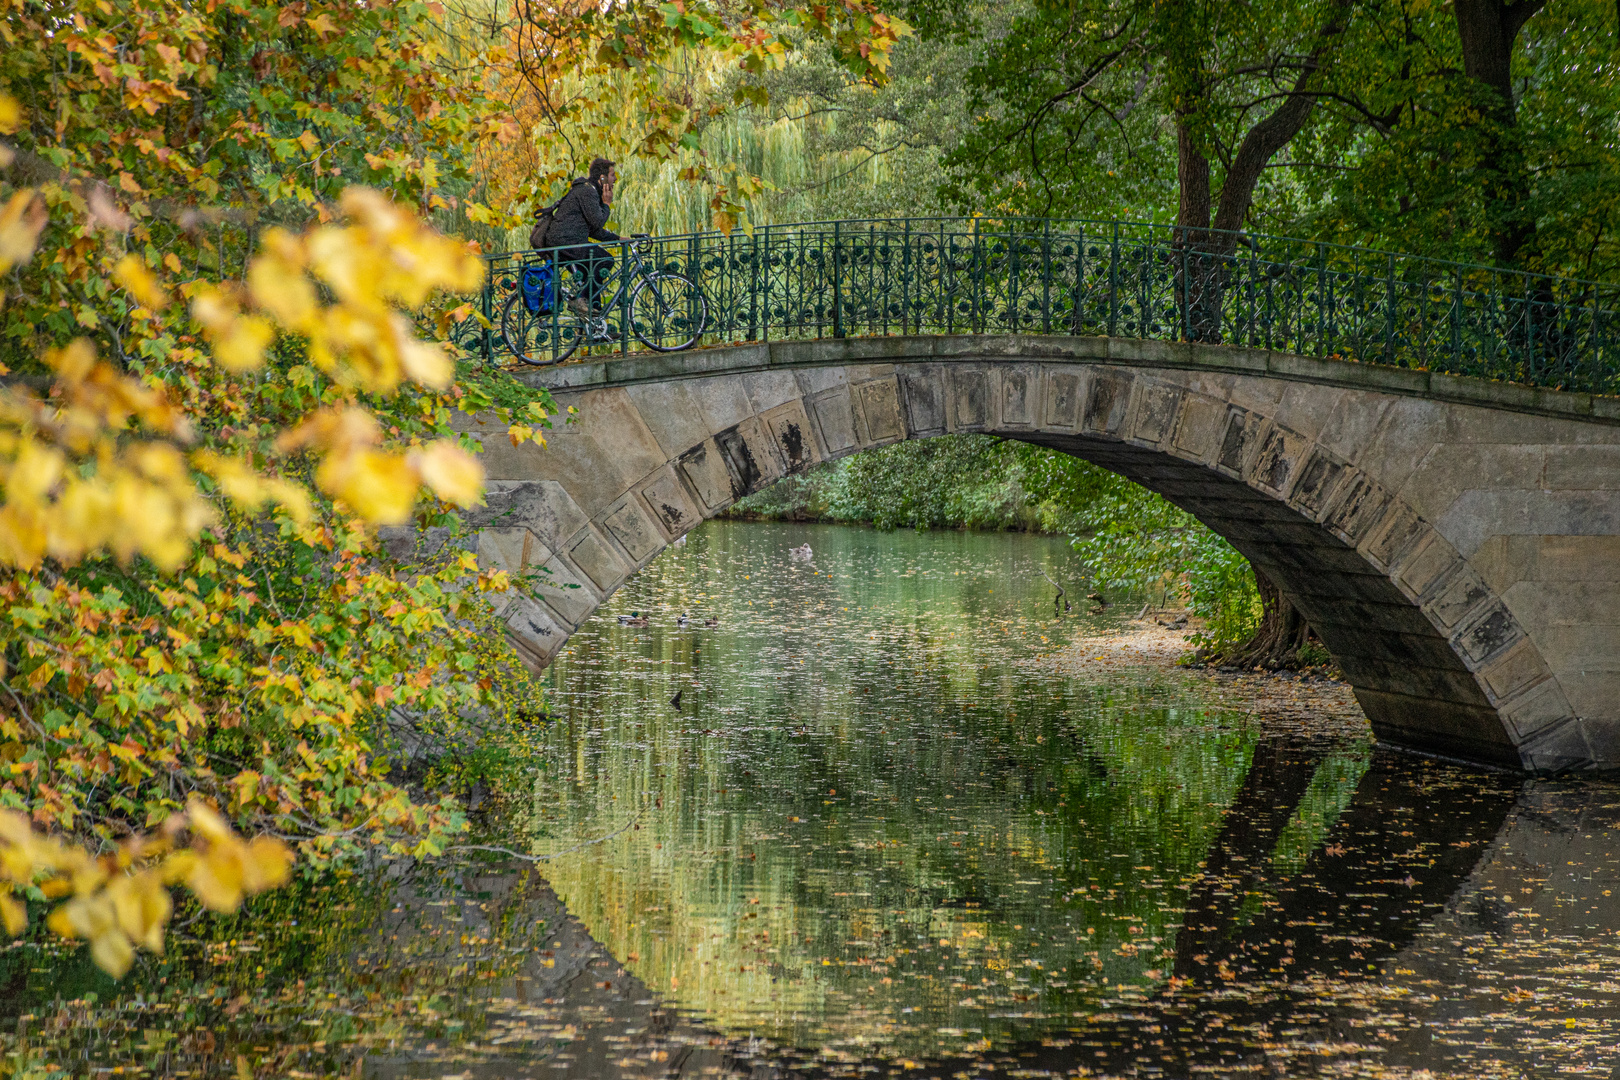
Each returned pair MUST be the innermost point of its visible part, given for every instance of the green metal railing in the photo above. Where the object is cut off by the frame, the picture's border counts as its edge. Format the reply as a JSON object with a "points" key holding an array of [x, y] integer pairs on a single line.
{"points": [[990, 276]]}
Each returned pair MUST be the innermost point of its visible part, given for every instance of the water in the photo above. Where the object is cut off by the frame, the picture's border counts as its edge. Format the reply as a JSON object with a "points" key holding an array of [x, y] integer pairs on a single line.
{"points": [[878, 832]]}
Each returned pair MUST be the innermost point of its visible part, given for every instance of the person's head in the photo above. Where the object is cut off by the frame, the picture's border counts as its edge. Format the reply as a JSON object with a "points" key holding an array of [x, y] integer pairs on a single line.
{"points": [[602, 170]]}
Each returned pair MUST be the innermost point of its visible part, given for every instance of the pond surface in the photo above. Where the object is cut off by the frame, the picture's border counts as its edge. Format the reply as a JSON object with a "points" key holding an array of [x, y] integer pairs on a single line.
{"points": [[859, 825]]}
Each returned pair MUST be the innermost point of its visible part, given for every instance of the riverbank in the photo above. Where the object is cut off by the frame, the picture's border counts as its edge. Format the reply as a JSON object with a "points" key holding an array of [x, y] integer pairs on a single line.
{"points": [[1308, 704]]}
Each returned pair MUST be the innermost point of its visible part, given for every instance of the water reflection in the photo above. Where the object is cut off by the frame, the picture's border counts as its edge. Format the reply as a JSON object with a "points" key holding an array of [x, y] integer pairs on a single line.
{"points": [[878, 837], [872, 824]]}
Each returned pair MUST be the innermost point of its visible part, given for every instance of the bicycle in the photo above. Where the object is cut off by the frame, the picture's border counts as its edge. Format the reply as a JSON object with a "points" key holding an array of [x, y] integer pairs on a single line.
{"points": [[668, 311]]}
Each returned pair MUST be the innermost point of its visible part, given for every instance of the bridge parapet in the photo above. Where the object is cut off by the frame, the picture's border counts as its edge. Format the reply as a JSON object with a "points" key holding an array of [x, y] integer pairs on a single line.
{"points": [[1122, 280]]}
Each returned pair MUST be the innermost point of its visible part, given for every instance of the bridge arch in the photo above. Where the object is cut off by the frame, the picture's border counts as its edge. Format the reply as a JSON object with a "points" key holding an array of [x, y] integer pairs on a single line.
{"points": [[1453, 541]]}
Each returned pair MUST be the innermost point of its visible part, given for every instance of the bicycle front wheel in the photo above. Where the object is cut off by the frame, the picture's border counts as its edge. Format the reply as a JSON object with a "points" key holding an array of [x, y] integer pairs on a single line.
{"points": [[540, 339], [668, 312]]}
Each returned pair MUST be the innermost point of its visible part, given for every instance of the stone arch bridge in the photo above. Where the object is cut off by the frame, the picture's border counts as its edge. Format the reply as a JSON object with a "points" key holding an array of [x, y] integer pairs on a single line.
{"points": [[1455, 542]]}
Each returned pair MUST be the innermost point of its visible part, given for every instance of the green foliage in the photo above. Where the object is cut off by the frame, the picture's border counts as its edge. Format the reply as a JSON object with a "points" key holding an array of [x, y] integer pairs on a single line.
{"points": [[957, 481], [1221, 590], [1129, 539]]}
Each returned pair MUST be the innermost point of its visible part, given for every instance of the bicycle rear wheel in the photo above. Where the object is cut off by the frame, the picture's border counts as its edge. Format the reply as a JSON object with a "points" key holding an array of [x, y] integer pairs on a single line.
{"points": [[668, 312], [537, 339]]}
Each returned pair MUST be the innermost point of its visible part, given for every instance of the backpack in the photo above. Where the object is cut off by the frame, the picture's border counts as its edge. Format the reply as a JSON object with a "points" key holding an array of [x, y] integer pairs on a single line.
{"points": [[538, 282], [542, 225]]}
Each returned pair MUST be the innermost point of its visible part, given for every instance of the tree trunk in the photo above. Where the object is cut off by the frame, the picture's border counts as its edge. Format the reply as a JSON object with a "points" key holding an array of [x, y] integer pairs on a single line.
{"points": [[1197, 290], [1282, 633], [1488, 30]]}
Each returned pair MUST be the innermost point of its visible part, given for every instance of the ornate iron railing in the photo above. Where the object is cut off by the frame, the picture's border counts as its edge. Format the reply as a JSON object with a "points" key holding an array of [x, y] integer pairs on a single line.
{"points": [[982, 275]]}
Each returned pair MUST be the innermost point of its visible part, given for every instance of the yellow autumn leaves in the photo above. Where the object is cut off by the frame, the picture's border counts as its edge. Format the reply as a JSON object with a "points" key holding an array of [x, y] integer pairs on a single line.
{"points": [[138, 498], [120, 901], [383, 259], [99, 466]]}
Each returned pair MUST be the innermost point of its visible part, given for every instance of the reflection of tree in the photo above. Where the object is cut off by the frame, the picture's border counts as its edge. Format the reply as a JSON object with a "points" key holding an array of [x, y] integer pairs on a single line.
{"points": [[974, 799], [1410, 837], [1235, 867]]}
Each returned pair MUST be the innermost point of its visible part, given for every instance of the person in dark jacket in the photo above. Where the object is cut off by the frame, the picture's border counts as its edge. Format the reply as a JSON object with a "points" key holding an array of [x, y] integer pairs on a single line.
{"points": [[580, 218]]}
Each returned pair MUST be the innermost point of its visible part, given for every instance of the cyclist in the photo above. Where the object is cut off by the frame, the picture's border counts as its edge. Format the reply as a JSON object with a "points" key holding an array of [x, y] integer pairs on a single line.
{"points": [[580, 218]]}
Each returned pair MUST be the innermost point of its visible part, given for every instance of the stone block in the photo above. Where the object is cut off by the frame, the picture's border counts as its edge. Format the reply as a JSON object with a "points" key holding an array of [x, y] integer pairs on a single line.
{"points": [[1359, 505], [1583, 468], [1438, 726], [1317, 484], [750, 456], [1238, 437], [535, 631], [672, 413], [1432, 561], [1277, 462], [705, 469], [1556, 749], [1154, 414], [1199, 428], [1487, 634], [410, 544], [1457, 598], [1542, 605], [922, 399], [878, 412], [672, 506], [503, 549], [1542, 706], [769, 390], [968, 402], [598, 561], [1107, 402], [1592, 647], [1591, 693], [1515, 671], [1019, 396], [544, 507], [1579, 558], [629, 524], [563, 587], [834, 417], [818, 380], [795, 439], [722, 401], [1061, 400], [1391, 538]]}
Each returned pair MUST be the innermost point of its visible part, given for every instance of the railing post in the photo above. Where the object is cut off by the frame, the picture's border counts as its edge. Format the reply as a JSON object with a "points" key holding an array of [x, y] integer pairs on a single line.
{"points": [[1456, 317], [624, 297], [1391, 310], [1321, 300], [487, 302], [1186, 294], [753, 287], [838, 285], [1529, 326], [977, 274], [1079, 278], [905, 280], [1046, 276], [1113, 285]]}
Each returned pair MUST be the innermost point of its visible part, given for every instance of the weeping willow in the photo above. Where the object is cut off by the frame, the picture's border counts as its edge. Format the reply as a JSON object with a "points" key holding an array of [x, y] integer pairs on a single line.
{"points": [[773, 160]]}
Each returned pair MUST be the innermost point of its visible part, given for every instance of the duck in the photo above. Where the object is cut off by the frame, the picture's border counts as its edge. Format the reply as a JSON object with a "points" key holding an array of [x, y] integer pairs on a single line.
{"points": [[711, 621], [682, 619], [635, 618], [801, 552]]}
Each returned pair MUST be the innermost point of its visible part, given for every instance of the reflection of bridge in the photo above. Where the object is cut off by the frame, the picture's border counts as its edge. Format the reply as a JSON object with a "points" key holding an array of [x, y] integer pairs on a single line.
{"points": [[1455, 541]]}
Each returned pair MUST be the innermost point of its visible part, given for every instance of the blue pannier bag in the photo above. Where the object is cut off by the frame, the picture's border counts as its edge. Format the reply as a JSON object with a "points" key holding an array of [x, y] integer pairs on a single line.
{"points": [[539, 288]]}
